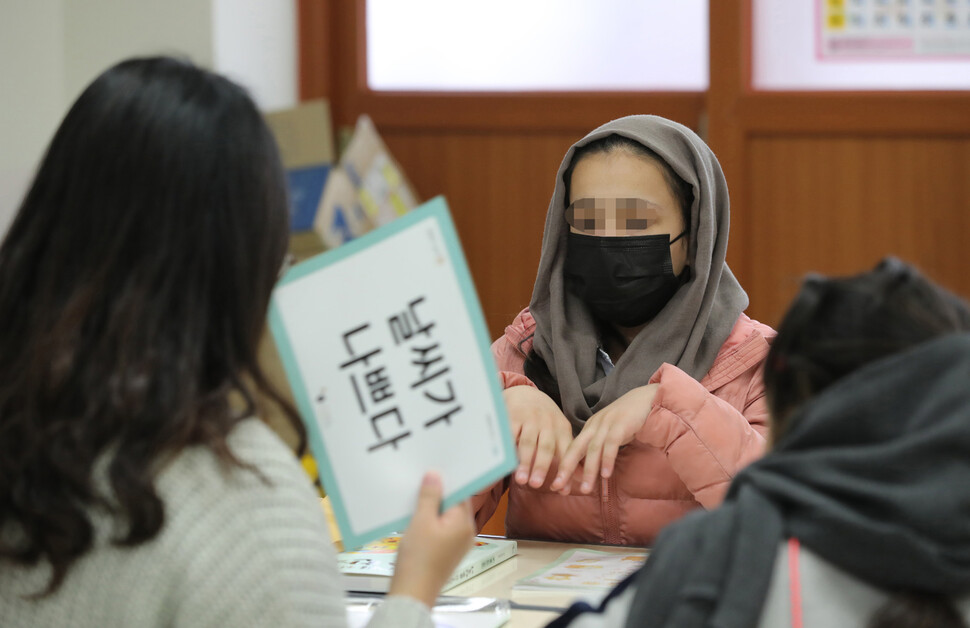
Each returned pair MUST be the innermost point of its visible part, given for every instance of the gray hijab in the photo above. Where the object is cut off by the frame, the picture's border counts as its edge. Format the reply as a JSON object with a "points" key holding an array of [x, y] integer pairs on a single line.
{"points": [[691, 328]]}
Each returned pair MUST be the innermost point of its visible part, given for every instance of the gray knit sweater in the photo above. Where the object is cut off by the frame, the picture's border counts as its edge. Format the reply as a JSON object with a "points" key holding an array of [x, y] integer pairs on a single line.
{"points": [[233, 551]]}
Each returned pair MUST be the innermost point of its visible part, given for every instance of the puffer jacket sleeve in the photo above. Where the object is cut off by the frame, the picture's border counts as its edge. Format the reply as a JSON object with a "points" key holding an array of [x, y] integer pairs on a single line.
{"points": [[510, 350], [706, 439], [509, 353]]}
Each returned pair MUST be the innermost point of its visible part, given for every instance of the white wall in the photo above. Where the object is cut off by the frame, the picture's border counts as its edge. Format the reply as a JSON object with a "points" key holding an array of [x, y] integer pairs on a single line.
{"points": [[254, 43], [32, 97], [51, 49], [100, 33]]}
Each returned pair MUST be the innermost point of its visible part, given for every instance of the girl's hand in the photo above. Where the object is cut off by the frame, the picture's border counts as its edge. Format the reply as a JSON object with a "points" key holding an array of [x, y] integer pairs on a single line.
{"points": [[432, 546], [602, 436], [540, 429]]}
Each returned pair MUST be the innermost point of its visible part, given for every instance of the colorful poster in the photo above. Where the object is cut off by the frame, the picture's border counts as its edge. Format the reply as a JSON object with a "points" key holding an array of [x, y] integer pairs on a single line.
{"points": [[893, 29]]}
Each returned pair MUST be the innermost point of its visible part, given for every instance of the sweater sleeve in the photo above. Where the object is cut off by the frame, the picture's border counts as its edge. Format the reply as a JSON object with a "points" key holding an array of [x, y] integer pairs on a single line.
{"points": [[259, 554], [706, 439]]}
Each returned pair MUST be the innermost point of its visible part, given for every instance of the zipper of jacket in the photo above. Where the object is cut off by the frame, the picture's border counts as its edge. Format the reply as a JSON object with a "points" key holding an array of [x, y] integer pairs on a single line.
{"points": [[611, 531]]}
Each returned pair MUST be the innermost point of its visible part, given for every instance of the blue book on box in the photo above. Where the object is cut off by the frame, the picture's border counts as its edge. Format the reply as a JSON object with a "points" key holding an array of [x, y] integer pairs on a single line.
{"points": [[306, 189]]}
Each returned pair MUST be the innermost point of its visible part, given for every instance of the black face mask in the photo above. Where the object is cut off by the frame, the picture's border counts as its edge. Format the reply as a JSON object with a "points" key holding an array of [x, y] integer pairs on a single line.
{"points": [[623, 280]]}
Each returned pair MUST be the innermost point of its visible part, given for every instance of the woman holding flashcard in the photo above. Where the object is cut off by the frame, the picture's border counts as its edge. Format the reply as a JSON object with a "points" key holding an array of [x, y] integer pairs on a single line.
{"points": [[138, 486], [633, 380]]}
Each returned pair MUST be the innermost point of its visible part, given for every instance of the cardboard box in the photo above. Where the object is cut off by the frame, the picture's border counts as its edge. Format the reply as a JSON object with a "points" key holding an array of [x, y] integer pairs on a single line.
{"points": [[305, 138]]}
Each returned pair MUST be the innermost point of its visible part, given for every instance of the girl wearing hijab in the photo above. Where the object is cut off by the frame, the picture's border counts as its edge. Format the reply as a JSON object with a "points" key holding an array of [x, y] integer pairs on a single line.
{"points": [[633, 379], [859, 514], [138, 487]]}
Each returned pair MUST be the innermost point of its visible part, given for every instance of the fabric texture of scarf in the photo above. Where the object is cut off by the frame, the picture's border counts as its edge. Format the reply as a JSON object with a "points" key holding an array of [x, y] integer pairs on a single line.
{"points": [[690, 329], [872, 477]]}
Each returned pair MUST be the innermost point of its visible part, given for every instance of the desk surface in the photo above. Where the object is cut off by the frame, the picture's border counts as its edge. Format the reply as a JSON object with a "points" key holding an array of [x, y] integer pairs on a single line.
{"points": [[532, 556]]}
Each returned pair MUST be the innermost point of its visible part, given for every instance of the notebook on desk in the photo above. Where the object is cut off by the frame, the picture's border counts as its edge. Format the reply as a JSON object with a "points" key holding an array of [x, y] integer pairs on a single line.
{"points": [[369, 569]]}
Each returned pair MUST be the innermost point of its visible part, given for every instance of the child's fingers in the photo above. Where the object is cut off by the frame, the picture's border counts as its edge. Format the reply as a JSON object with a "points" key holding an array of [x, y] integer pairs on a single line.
{"points": [[610, 451], [526, 449], [570, 460], [545, 451], [429, 495], [592, 465], [459, 518]]}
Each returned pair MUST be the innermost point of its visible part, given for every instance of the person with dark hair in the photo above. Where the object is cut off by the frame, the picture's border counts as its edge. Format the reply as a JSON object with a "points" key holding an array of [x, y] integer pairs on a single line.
{"points": [[137, 486], [633, 379], [858, 516]]}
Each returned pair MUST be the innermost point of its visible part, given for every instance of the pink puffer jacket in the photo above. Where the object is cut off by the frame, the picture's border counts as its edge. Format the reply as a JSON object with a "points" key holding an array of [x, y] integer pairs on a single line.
{"points": [[695, 439]]}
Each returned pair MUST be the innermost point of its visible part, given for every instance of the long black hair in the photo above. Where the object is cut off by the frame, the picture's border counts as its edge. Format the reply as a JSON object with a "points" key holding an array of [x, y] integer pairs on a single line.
{"points": [[535, 367], [836, 326], [134, 283]]}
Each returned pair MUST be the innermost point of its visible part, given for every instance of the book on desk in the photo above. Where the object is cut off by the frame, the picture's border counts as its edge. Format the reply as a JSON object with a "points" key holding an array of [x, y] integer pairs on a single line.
{"points": [[369, 569], [585, 569]]}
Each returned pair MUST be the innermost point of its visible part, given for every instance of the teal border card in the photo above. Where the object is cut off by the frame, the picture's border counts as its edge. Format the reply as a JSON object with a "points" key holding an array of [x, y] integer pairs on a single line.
{"points": [[436, 209]]}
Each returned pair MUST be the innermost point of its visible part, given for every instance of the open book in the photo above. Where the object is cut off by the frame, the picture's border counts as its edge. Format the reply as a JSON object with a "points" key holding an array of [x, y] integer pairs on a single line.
{"points": [[385, 347], [370, 568]]}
